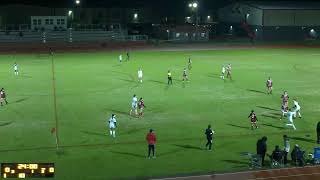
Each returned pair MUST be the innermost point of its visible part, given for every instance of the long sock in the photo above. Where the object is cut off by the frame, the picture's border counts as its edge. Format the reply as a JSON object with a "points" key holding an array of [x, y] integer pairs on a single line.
{"points": [[110, 132], [294, 127], [114, 133]]}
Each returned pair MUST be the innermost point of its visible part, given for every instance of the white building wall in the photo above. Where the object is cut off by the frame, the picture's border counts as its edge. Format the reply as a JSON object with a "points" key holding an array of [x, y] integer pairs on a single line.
{"points": [[49, 22]]}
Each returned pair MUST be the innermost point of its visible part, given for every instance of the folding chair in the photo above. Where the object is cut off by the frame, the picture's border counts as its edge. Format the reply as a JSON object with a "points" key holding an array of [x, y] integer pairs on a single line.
{"points": [[316, 155]]}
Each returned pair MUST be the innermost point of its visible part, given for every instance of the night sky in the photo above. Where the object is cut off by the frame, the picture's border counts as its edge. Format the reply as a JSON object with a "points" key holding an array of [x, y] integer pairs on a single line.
{"points": [[164, 4]]}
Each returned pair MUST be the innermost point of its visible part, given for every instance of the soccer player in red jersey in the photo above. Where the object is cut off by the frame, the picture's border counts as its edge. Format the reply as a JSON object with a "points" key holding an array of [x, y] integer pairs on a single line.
{"points": [[141, 106], [269, 86], [285, 99], [253, 119]]}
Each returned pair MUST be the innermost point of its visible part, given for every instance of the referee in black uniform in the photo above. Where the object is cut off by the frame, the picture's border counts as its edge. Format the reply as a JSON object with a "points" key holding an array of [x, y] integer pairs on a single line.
{"points": [[169, 78], [209, 134]]}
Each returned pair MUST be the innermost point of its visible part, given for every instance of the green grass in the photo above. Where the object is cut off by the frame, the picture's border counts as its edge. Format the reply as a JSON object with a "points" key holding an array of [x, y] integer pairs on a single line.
{"points": [[91, 86]]}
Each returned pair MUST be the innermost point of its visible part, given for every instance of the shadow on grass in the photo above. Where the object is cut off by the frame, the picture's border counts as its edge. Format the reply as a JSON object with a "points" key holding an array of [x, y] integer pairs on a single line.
{"points": [[271, 125], [94, 133], [236, 162], [172, 152], [135, 130], [214, 76], [233, 125], [6, 123], [256, 91], [188, 146], [271, 116], [20, 100], [117, 111], [156, 81], [127, 80], [304, 139], [129, 154], [264, 107]]}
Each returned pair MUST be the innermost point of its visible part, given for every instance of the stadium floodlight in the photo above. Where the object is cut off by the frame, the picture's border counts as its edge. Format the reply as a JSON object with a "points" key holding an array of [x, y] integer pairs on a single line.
{"points": [[135, 15], [69, 13], [312, 31], [188, 17], [190, 5], [209, 17], [195, 5], [77, 2]]}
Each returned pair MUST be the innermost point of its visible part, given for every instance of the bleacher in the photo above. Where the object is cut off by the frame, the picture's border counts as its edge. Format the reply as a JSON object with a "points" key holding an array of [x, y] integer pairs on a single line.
{"points": [[61, 36]]}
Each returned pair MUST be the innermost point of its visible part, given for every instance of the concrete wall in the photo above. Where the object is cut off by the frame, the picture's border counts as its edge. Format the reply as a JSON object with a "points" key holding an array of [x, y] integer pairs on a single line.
{"points": [[278, 17], [307, 18], [237, 13], [291, 18]]}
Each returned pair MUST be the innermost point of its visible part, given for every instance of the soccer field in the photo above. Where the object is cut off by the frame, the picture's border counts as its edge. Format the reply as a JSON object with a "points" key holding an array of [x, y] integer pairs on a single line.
{"points": [[91, 86]]}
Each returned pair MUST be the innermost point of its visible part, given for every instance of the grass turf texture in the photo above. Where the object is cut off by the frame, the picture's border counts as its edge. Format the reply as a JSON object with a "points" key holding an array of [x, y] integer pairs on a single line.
{"points": [[91, 86]]}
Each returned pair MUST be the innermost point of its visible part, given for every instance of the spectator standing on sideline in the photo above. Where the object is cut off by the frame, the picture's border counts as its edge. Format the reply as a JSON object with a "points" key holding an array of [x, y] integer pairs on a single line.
{"points": [[262, 148], [151, 139], [128, 56], [318, 132], [209, 133], [286, 150]]}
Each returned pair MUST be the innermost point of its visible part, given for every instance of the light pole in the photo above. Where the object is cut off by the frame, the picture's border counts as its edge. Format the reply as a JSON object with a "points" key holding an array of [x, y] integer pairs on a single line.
{"points": [[194, 8]]}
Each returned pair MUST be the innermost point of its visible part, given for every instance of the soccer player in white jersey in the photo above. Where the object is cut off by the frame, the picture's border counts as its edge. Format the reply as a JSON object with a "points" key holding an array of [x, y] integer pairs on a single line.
{"points": [[16, 70], [290, 119], [297, 109], [112, 125], [134, 105], [120, 58], [140, 74], [223, 71]]}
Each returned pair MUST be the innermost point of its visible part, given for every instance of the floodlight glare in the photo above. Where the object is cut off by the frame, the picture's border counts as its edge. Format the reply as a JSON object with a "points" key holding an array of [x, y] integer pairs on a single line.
{"points": [[190, 5], [312, 30], [135, 16], [77, 2], [195, 5], [69, 12], [209, 17]]}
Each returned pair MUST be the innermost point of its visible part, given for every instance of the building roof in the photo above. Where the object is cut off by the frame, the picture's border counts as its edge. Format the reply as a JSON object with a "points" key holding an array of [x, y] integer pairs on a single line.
{"points": [[284, 5]]}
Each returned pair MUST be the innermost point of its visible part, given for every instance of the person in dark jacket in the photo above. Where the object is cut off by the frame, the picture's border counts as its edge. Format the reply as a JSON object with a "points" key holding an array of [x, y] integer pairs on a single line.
{"points": [[262, 148], [277, 154], [151, 139], [297, 156], [318, 132], [209, 134]]}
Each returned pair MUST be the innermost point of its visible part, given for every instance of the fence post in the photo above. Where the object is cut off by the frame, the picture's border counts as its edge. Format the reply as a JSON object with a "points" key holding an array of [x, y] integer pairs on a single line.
{"points": [[44, 37], [70, 35]]}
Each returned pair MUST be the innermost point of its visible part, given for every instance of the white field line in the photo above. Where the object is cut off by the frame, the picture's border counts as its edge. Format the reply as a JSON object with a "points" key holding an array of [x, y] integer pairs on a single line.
{"points": [[242, 172], [288, 176]]}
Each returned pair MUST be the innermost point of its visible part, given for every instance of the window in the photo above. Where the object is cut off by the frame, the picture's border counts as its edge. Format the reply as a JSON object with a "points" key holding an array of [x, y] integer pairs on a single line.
{"points": [[58, 21], [34, 22], [62, 21], [39, 21], [51, 21], [47, 21]]}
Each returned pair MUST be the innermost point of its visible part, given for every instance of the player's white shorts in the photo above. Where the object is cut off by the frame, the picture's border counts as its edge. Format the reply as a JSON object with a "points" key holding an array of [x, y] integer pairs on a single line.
{"points": [[134, 106], [290, 121], [140, 76], [112, 126]]}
